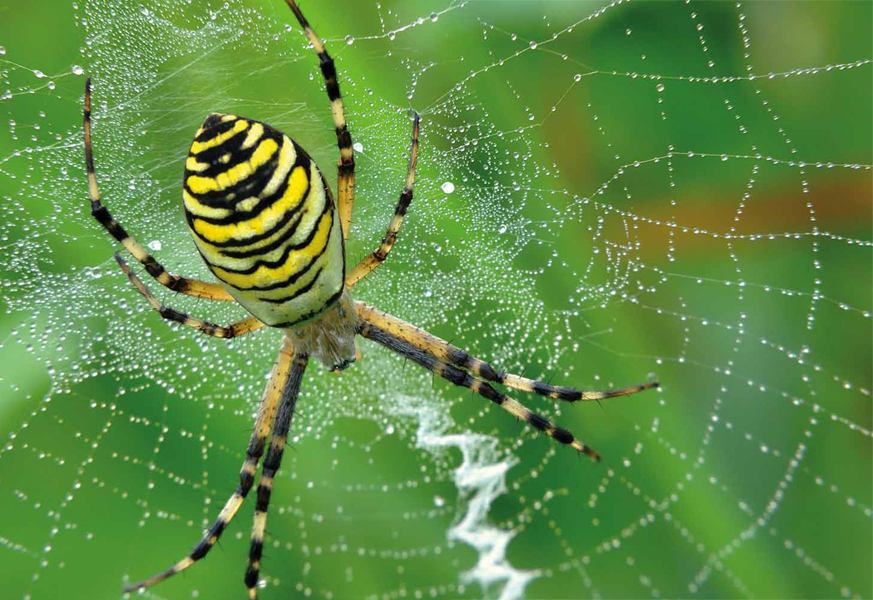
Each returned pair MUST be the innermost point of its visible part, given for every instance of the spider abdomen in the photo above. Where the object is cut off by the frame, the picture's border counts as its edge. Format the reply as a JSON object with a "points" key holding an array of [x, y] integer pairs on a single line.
{"points": [[264, 220]]}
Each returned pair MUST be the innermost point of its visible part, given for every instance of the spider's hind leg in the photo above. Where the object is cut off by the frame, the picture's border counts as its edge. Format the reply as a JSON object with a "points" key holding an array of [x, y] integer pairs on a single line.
{"points": [[182, 285], [346, 166], [234, 330], [378, 256]]}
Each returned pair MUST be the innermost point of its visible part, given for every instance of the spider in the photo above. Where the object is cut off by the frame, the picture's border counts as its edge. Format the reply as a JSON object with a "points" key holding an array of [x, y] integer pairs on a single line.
{"points": [[265, 221]]}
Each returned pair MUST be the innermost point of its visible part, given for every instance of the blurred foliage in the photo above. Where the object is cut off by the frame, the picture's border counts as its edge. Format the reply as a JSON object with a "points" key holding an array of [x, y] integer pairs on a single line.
{"points": [[74, 450]]}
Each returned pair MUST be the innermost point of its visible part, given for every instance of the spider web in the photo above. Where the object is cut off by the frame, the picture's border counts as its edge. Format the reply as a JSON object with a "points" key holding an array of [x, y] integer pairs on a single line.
{"points": [[605, 193]]}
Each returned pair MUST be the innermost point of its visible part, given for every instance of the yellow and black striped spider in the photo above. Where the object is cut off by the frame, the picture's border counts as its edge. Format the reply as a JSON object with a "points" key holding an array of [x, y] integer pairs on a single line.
{"points": [[265, 221]]}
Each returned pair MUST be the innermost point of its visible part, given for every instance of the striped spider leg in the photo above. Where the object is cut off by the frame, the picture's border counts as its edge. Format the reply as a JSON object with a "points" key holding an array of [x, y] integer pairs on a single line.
{"points": [[378, 256], [345, 184], [265, 222], [171, 314], [282, 390], [272, 462], [451, 363], [183, 285], [446, 352]]}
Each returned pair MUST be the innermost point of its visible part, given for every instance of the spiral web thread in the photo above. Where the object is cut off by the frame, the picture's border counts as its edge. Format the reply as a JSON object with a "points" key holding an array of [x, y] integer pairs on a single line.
{"points": [[595, 204]]}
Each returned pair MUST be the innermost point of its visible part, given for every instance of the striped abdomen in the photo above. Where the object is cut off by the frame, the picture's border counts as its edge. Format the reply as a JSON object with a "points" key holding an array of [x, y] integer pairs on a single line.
{"points": [[264, 220]]}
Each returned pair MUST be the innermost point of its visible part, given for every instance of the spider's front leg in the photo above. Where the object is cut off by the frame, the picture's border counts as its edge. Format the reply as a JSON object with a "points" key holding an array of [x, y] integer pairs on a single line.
{"points": [[271, 466], [448, 361], [447, 352], [284, 384]]}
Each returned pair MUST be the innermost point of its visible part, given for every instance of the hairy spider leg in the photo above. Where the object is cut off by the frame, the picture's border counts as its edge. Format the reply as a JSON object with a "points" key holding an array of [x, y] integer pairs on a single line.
{"points": [[461, 378], [281, 384], [461, 358], [346, 166], [378, 256], [271, 466], [229, 331], [183, 285]]}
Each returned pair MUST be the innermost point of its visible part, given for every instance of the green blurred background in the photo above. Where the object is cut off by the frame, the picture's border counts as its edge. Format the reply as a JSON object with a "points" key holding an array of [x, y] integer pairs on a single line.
{"points": [[738, 276]]}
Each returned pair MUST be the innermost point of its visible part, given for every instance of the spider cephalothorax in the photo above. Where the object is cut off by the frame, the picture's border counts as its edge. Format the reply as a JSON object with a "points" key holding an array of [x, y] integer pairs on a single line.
{"points": [[264, 220]]}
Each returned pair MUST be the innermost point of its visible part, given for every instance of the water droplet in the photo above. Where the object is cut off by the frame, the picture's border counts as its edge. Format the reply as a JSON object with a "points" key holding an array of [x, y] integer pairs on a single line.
{"points": [[533, 45], [434, 17], [358, 146], [2, 50], [448, 187], [155, 245], [660, 87], [77, 70], [350, 40]]}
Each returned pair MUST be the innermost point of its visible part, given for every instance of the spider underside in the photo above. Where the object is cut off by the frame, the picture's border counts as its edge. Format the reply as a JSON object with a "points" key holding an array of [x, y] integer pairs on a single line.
{"points": [[258, 208]]}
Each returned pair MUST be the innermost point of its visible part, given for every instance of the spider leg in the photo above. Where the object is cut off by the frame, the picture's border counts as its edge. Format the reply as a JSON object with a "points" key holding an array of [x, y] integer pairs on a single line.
{"points": [[346, 166], [452, 354], [234, 330], [271, 466], [461, 378], [280, 381], [183, 285], [376, 258]]}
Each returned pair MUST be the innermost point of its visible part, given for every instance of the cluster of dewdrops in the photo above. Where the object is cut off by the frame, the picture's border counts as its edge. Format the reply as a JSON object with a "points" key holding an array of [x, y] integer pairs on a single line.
{"points": [[88, 330]]}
